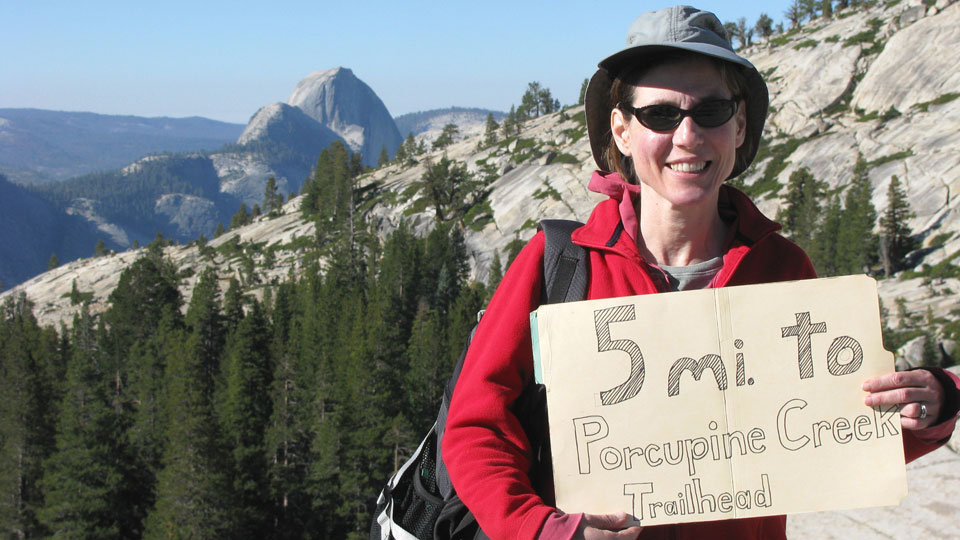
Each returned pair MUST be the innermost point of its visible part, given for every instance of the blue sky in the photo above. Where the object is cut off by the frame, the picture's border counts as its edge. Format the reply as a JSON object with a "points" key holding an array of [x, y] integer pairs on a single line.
{"points": [[224, 60]]}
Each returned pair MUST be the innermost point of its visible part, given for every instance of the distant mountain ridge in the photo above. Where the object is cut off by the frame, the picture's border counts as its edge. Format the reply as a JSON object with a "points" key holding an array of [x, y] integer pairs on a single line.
{"points": [[185, 195], [39, 146]]}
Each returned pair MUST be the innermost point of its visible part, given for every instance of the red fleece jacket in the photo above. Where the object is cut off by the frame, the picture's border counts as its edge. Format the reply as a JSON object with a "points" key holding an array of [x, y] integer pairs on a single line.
{"points": [[484, 446]]}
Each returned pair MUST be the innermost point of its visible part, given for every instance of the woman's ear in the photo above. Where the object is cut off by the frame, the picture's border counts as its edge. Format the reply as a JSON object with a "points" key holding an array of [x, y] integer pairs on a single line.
{"points": [[741, 119], [619, 128]]}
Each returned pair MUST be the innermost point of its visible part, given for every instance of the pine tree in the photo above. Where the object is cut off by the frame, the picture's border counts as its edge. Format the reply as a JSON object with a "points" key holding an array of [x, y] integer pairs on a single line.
{"points": [[446, 137], [272, 199], [490, 131], [446, 185], [399, 283], [219, 230], [429, 368], [896, 237], [146, 291], [193, 488], [244, 413], [146, 388], [794, 14], [401, 155], [53, 262], [857, 243], [100, 249], [801, 214], [461, 319], [362, 423], [83, 479], [446, 266], [744, 33], [287, 435], [408, 151], [511, 124], [31, 374], [232, 306], [536, 100], [319, 355], [824, 250], [496, 273], [764, 25], [205, 321], [75, 297], [383, 158], [241, 218], [826, 8], [329, 197], [730, 28]]}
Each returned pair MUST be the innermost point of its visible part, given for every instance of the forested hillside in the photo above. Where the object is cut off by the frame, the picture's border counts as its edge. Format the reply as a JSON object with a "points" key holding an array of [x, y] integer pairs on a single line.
{"points": [[240, 418]]}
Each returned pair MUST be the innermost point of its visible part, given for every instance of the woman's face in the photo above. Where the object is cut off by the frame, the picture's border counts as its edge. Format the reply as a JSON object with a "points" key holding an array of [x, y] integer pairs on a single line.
{"points": [[683, 167]]}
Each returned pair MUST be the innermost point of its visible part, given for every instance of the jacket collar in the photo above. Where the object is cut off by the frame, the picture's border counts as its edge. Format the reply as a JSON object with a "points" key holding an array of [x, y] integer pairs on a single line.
{"points": [[612, 218]]}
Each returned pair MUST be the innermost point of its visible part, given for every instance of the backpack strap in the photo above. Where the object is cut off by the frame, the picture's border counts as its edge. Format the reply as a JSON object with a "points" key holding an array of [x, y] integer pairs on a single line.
{"points": [[565, 264], [565, 278]]}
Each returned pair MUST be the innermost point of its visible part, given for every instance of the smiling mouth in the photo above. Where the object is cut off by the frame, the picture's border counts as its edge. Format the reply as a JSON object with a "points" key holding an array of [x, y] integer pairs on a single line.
{"points": [[689, 167]]}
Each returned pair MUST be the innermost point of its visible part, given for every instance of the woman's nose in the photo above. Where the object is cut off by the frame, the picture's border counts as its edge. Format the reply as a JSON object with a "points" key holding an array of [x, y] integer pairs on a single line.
{"points": [[687, 134]]}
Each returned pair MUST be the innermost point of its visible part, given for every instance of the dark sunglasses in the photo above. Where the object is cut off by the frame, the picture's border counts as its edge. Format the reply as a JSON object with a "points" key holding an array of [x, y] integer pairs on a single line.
{"points": [[662, 117]]}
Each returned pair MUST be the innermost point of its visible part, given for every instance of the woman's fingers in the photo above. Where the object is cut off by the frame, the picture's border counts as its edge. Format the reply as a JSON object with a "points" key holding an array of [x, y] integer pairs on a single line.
{"points": [[918, 394], [607, 527]]}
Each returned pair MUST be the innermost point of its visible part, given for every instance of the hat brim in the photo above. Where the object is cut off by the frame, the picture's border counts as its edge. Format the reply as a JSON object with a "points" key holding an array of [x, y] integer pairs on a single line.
{"points": [[598, 107]]}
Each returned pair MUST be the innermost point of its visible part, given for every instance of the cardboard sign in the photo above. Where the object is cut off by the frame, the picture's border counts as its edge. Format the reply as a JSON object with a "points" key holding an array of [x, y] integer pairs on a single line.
{"points": [[720, 403]]}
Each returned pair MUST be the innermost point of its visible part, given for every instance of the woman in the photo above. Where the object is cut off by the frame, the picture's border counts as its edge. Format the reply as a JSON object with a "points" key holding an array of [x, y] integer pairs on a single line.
{"points": [[669, 118]]}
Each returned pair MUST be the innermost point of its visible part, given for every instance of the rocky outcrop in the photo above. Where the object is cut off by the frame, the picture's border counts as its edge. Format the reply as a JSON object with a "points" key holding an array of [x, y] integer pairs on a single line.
{"points": [[924, 53], [193, 216], [244, 175], [339, 100]]}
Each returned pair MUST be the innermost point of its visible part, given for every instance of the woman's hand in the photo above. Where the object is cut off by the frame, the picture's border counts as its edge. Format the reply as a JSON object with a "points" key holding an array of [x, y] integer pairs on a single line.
{"points": [[605, 526], [917, 392]]}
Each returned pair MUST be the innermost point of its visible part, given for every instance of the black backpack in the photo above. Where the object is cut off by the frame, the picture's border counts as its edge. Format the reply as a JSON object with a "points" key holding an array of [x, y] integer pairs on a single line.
{"points": [[419, 502]]}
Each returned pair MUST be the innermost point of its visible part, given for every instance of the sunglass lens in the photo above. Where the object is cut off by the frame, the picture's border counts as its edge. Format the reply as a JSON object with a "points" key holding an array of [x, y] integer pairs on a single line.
{"points": [[713, 113], [660, 117]]}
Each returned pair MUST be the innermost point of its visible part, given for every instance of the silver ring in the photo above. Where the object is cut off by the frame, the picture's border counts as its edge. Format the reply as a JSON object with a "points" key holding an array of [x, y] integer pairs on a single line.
{"points": [[923, 411]]}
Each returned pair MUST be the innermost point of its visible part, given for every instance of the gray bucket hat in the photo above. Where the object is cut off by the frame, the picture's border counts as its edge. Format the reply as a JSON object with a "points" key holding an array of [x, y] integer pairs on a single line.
{"points": [[679, 27]]}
